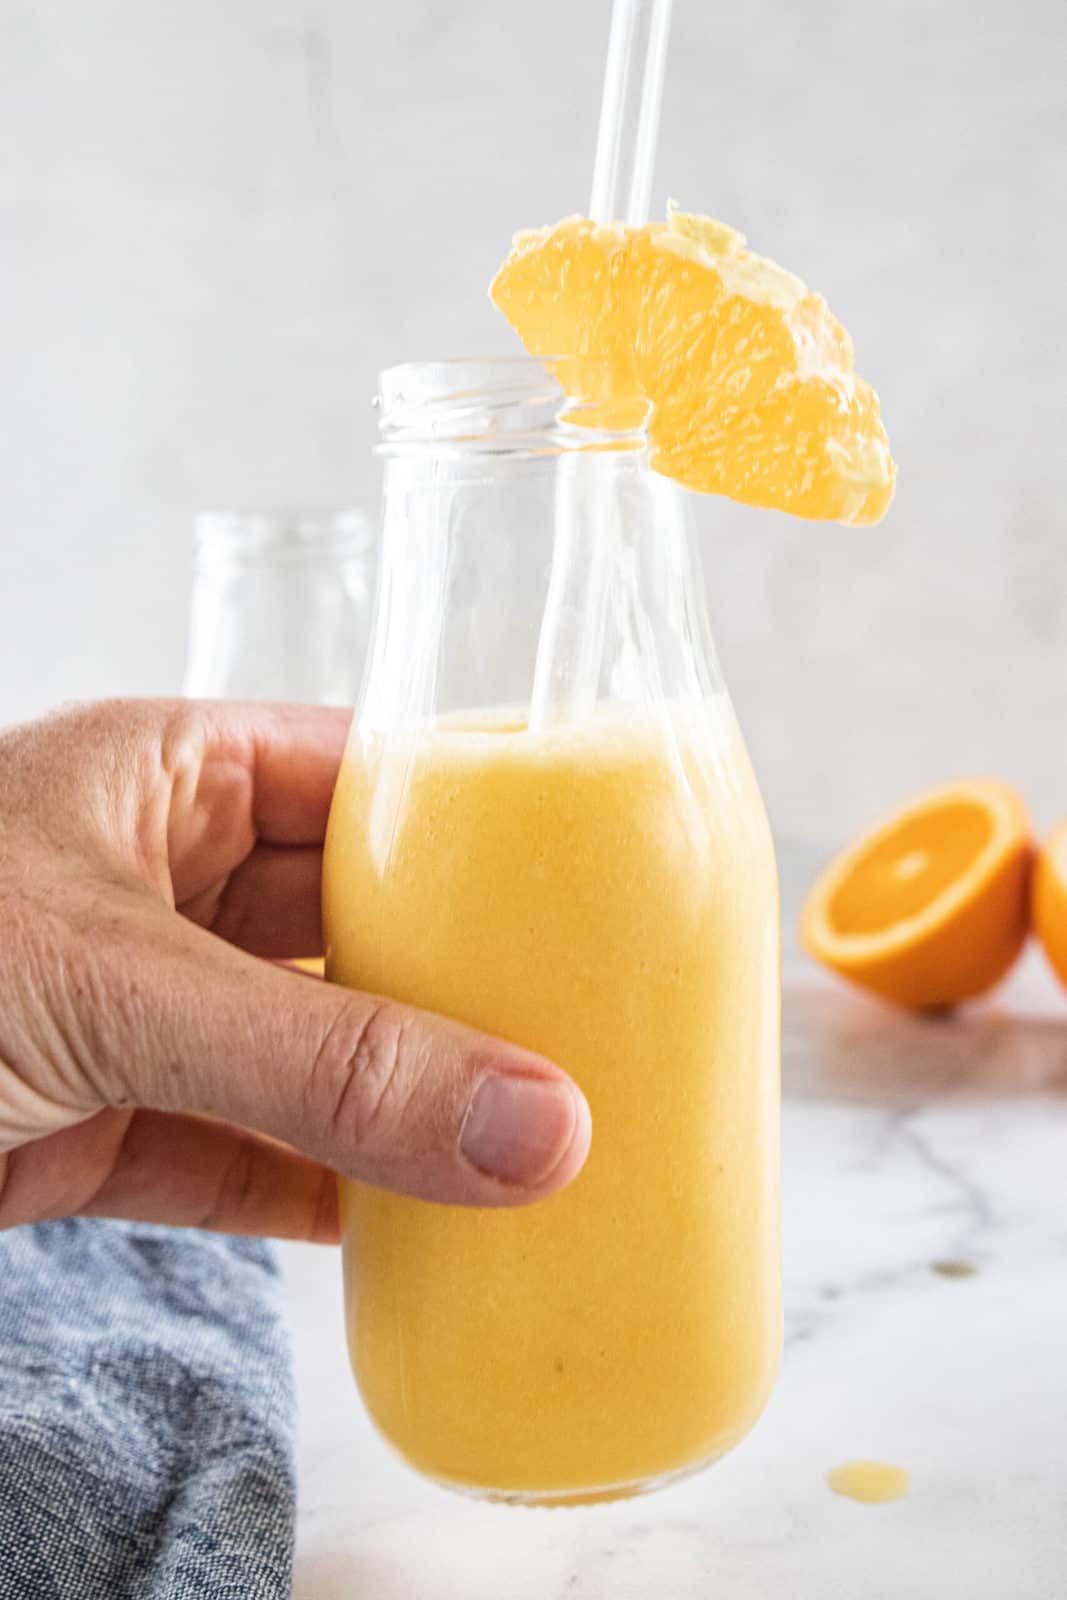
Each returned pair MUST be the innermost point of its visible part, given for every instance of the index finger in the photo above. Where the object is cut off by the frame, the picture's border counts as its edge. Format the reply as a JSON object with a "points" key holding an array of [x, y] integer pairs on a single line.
{"points": [[245, 775], [292, 753]]}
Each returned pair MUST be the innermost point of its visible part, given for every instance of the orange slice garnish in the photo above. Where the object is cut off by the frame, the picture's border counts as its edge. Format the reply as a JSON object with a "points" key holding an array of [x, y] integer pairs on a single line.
{"points": [[751, 380]]}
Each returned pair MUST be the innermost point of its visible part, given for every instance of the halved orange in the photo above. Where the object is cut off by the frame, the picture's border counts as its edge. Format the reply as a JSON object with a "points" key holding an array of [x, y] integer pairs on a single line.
{"points": [[932, 907], [1048, 900], [751, 380]]}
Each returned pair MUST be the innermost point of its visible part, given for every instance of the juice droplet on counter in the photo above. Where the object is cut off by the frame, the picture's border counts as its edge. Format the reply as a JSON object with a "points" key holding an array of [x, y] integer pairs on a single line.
{"points": [[954, 1269], [873, 1482]]}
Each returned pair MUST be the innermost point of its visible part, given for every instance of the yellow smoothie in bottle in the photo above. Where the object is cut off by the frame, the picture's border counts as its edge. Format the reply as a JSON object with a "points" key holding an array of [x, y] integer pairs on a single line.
{"points": [[603, 893]]}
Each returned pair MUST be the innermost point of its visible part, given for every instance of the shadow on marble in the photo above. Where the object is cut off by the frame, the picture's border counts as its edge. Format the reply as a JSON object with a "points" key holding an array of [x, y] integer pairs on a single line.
{"points": [[841, 1046]]}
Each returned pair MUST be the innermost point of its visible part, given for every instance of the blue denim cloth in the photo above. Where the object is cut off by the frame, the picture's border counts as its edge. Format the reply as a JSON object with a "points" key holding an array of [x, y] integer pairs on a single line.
{"points": [[146, 1416]]}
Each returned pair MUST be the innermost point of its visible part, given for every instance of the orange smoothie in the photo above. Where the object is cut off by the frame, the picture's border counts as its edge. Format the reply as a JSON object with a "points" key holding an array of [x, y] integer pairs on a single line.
{"points": [[605, 894]]}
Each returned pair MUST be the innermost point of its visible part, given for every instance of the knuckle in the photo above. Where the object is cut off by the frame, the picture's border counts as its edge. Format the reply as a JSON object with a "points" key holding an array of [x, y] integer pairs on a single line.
{"points": [[359, 1069], [232, 910], [182, 734], [324, 1226], [234, 1200]]}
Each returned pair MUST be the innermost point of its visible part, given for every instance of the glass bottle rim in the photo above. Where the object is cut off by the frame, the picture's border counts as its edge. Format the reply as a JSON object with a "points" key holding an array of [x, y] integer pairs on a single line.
{"points": [[239, 538], [505, 405]]}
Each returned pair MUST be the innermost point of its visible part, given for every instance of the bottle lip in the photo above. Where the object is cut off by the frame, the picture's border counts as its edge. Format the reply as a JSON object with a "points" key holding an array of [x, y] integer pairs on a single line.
{"points": [[278, 538], [506, 405]]}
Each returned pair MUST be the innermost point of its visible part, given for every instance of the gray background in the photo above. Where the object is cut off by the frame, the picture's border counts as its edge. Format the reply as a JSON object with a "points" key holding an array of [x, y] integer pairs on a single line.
{"points": [[221, 217]]}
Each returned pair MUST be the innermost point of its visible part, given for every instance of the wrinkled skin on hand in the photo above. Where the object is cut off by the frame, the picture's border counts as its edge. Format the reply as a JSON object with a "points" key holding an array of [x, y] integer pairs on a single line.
{"points": [[156, 860]]}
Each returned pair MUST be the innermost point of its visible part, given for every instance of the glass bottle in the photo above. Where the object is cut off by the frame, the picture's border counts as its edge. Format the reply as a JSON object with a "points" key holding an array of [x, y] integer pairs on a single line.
{"points": [[546, 825], [280, 606]]}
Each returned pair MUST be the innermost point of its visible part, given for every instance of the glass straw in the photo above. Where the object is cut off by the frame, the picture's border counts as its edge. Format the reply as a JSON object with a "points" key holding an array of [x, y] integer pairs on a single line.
{"points": [[567, 668], [629, 111]]}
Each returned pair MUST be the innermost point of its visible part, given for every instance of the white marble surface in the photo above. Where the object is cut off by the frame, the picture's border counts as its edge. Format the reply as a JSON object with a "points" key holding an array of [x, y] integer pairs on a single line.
{"points": [[905, 1143]]}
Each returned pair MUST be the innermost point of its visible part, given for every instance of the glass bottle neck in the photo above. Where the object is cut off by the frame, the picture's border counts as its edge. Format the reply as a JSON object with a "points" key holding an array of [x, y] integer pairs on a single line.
{"points": [[227, 543], [280, 607], [533, 586]]}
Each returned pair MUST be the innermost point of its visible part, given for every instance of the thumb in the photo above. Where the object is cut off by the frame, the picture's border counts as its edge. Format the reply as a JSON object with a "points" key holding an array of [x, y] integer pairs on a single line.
{"points": [[376, 1090]]}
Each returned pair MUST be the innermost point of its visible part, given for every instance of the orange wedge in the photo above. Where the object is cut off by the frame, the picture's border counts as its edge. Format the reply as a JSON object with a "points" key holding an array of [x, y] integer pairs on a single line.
{"points": [[751, 380], [932, 907], [1048, 902]]}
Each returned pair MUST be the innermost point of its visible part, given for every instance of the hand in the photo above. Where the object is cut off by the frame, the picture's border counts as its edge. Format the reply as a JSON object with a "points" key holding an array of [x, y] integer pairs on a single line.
{"points": [[151, 855]]}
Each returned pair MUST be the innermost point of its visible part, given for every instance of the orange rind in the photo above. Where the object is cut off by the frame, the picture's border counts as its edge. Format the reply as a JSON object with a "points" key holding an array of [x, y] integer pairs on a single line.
{"points": [[1048, 900], [932, 907]]}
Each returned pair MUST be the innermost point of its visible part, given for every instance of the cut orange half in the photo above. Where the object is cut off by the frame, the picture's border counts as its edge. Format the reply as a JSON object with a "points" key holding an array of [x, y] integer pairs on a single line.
{"points": [[1048, 904], [751, 380], [932, 907]]}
